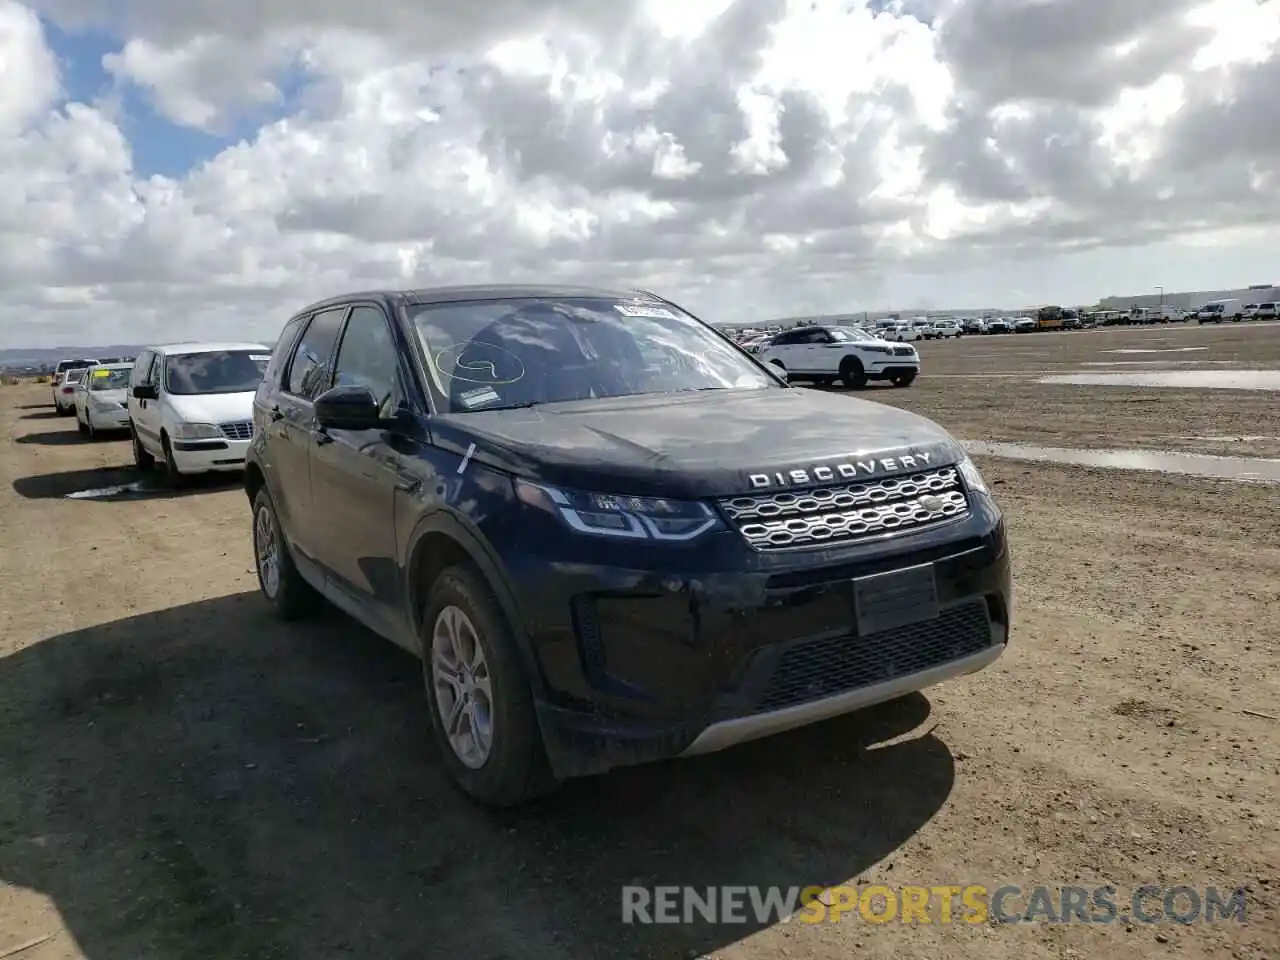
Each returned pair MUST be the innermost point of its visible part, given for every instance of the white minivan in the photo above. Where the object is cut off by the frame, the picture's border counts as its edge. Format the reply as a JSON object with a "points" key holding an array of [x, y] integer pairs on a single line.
{"points": [[191, 406]]}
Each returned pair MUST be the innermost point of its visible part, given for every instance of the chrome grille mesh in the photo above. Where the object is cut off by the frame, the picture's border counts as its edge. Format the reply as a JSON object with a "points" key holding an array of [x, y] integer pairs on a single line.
{"points": [[239, 430], [848, 512]]}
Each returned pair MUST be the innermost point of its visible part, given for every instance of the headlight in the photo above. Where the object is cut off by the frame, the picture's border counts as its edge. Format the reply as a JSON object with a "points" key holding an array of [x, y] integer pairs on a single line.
{"points": [[875, 349], [196, 431], [972, 477], [631, 518]]}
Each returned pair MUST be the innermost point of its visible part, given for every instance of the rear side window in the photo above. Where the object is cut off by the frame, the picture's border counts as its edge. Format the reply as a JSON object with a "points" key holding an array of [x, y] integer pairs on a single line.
{"points": [[282, 349], [309, 368]]}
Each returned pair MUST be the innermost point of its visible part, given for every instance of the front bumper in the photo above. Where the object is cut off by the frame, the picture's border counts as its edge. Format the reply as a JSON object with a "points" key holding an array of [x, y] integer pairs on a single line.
{"points": [[893, 367], [644, 654], [205, 456], [99, 419]]}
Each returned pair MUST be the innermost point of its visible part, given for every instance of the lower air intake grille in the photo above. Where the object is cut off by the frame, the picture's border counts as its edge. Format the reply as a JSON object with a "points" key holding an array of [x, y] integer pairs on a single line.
{"points": [[824, 668], [835, 515]]}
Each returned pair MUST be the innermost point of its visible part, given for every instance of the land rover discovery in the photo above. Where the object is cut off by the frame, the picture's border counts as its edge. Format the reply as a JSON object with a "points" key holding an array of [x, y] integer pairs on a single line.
{"points": [[611, 534]]}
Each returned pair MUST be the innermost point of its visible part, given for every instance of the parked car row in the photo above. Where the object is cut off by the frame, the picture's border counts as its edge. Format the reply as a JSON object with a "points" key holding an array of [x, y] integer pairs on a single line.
{"points": [[562, 499]]}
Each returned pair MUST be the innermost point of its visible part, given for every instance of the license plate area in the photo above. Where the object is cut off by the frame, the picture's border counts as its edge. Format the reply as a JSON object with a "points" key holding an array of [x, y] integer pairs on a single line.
{"points": [[886, 601]]}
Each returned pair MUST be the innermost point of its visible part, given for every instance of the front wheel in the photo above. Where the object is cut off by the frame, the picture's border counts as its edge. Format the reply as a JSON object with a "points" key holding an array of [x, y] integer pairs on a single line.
{"points": [[172, 475], [143, 460], [481, 704], [852, 373], [290, 596]]}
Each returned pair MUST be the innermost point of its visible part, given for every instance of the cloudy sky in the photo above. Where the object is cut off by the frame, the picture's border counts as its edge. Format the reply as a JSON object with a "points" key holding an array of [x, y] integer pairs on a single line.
{"points": [[194, 169]]}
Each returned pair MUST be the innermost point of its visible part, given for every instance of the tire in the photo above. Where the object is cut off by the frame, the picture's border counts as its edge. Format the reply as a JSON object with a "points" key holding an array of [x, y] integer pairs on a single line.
{"points": [[88, 426], [852, 373], [509, 766], [903, 380], [142, 459], [172, 475], [64, 412], [281, 585]]}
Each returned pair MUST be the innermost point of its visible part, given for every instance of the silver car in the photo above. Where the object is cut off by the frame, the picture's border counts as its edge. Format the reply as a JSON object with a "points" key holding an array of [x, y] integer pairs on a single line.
{"points": [[102, 403]]}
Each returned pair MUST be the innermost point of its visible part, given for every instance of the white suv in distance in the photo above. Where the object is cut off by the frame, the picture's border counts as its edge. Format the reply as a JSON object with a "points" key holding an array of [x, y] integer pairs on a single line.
{"points": [[103, 403], [191, 406], [947, 328], [849, 354]]}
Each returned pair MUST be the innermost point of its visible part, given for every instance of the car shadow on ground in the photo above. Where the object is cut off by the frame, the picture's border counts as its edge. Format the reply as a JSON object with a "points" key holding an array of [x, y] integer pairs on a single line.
{"points": [[206, 782], [55, 438], [119, 483], [44, 414]]}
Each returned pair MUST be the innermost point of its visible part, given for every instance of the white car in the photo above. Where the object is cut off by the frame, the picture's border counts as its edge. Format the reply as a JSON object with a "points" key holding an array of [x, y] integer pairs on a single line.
{"points": [[1266, 311], [66, 387], [58, 379], [103, 403], [849, 354], [191, 406], [1024, 325], [947, 328], [900, 332], [999, 325]]}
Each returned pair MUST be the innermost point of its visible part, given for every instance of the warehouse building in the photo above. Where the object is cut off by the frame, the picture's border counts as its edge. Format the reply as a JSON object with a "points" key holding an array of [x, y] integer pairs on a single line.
{"points": [[1257, 293]]}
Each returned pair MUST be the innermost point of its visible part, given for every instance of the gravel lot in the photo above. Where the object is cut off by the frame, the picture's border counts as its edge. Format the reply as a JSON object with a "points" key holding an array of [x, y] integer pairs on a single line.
{"points": [[182, 777]]}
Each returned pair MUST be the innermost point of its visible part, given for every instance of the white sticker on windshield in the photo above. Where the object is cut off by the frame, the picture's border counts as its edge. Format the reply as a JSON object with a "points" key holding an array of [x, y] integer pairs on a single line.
{"points": [[644, 310], [475, 398], [260, 357]]}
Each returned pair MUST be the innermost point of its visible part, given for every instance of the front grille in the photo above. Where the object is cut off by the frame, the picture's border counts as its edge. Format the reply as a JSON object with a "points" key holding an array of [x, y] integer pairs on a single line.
{"points": [[902, 351], [239, 430], [816, 669], [842, 514]]}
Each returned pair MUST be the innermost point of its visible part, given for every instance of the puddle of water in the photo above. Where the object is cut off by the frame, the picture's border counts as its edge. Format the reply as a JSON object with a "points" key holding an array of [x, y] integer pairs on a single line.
{"points": [[1244, 439], [1157, 350], [119, 490], [1187, 379], [1246, 469], [1154, 363]]}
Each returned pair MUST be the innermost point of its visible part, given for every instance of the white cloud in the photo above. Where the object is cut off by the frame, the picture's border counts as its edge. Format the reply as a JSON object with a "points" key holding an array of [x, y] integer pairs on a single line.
{"points": [[760, 157]]}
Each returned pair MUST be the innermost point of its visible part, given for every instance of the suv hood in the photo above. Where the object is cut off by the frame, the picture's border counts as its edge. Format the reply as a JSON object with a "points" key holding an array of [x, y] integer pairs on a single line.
{"points": [[701, 444], [212, 407]]}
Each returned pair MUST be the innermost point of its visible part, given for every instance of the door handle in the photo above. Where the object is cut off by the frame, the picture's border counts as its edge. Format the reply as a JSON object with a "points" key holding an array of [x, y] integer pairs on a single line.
{"points": [[408, 483], [275, 413]]}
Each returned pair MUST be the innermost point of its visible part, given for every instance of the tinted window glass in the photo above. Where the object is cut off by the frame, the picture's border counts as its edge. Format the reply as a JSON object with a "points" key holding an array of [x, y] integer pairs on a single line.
{"points": [[309, 370], [283, 346], [485, 355], [367, 356], [215, 371], [76, 374]]}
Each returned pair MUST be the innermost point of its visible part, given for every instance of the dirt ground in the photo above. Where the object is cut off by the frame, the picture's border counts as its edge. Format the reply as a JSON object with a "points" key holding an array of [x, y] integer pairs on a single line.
{"points": [[183, 777]]}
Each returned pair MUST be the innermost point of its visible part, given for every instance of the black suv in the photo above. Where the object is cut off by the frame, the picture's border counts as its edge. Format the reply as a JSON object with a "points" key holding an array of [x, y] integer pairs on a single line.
{"points": [[611, 534]]}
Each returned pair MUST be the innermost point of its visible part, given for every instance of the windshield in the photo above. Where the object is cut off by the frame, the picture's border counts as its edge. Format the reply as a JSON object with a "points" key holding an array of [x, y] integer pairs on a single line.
{"points": [[497, 354], [112, 378], [217, 371]]}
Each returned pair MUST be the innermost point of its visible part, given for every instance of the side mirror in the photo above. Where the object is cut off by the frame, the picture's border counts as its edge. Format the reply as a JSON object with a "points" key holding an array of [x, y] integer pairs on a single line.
{"points": [[348, 408], [145, 391]]}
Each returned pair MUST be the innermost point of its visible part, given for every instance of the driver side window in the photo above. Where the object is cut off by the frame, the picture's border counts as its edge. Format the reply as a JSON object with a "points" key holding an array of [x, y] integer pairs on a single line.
{"points": [[367, 357]]}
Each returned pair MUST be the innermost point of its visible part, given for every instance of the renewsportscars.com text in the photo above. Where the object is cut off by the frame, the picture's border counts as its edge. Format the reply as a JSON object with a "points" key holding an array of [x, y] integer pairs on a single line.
{"points": [[941, 904]]}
